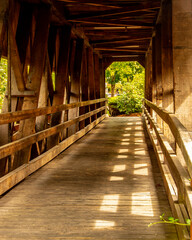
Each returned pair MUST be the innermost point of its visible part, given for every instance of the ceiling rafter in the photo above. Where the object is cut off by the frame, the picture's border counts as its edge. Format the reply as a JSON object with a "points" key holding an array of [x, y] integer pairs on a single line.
{"points": [[125, 10], [114, 23]]}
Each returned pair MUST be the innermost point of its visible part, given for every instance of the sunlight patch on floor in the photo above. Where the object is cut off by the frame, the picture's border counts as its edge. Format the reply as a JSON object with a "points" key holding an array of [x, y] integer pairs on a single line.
{"points": [[119, 168], [122, 156], [123, 150], [144, 209], [115, 178], [110, 203], [99, 224], [141, 169]]}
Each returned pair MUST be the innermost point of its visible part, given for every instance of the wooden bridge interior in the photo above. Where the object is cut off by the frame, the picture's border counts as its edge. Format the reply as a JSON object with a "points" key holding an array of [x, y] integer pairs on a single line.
{"points": [[126, 172]]}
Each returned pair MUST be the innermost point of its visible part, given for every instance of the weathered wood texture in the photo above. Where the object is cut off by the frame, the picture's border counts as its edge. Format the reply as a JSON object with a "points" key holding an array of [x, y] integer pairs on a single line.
{"points": [[75, 83], [182, 51], [33, 83], [92, 191], [182, 136], [175, 175]]}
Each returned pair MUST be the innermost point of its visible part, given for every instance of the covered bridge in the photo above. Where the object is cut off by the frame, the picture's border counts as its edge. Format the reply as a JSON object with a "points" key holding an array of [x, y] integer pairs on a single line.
{"points": [[111, 183]]}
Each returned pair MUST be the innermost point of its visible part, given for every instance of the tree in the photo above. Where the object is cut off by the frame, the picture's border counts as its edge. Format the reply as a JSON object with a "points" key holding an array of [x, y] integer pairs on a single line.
{"points": [[130, 82], [3, 80], [113, 76]]}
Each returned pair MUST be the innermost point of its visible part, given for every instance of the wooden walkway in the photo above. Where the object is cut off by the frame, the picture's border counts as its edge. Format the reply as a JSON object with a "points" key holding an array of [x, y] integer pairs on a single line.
{"points": [[105, 186]]}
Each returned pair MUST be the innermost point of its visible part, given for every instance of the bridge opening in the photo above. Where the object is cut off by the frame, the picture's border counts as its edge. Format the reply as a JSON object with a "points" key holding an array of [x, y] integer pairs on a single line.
{"points": [[125, 87]]}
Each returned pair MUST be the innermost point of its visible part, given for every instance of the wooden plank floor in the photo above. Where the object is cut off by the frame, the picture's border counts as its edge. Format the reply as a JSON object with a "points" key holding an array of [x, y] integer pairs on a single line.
{"points": [[105, 186]]}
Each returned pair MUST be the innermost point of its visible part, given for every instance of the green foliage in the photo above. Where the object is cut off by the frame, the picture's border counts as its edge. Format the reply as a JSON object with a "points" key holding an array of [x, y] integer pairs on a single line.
{"points": [[3, 80], [171, 220], [130, 87]]}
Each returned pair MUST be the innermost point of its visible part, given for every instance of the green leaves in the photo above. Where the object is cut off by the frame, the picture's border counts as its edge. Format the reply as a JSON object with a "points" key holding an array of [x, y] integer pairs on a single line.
{"points": [[129, 79], [3, 79], [171, 220]]}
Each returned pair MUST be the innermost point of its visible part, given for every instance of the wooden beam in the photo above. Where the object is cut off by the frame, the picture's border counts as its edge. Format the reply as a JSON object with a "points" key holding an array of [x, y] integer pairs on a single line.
{"points": [[91, 79], [34, 80], [91, 3], [61, 79], [15, 61], [123, 41], [120, 50], [23, 31], [97, 79], [20, 144], [84, 90], [109, 22], [123, 10], [75, 83], [16, 176], [25, 114]]}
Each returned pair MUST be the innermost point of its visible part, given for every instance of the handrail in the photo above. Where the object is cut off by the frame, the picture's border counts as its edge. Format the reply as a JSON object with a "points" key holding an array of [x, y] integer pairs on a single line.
{"points": [[182, 136], [24, 114], [17, 145], [14, 176], [176, 177]]}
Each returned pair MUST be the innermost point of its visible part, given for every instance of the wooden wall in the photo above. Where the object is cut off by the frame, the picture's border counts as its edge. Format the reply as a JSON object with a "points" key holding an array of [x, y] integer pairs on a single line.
{"points": [[49, 65]]}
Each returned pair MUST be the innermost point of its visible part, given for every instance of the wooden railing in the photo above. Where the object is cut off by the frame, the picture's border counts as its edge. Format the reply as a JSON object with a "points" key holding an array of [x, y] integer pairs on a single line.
{"points": [[18, 174], [176, 174]]}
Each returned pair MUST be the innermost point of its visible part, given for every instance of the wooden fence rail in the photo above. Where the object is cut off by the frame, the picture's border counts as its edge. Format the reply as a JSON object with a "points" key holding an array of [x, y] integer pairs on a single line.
{"points": [[18, 174], [176, 176]]}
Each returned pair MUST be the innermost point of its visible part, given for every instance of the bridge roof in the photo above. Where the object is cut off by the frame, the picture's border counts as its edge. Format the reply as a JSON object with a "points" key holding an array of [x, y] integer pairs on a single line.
{"points": [[115, 29]]}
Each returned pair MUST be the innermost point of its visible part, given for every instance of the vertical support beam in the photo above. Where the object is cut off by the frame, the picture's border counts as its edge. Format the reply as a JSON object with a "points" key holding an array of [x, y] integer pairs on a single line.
{"points": [[75, 85], [102, 82], [61, 79], [167, 64], [27, 127], [23, 31], [84, 90], [148, 76], [158, 71], [182, 60], [102, 78], [91, 80], [154, 95], [3, 9], [97, 80], [167, 57]]}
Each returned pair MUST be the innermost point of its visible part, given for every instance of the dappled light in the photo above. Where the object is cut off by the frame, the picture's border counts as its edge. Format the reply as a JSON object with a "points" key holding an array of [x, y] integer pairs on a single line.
{"points": [[100, 224], [142, 204], [119, 168], [110, 203], [116, 178], [141, 169]]}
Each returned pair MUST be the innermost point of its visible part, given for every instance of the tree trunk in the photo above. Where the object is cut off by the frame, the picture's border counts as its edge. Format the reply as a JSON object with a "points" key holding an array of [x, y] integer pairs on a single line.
{"points": [[113, 90]]}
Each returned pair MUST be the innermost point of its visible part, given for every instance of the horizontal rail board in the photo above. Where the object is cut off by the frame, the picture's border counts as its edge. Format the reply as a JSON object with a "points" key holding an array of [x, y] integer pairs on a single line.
{"points": [[21, 115], [180, 133], [168, 180], [178, 172], [17, 145], [11, 179]]}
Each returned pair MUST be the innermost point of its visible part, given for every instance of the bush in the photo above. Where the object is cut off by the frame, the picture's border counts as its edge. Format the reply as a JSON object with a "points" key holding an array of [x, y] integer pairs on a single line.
{"points": [[130, 101]]}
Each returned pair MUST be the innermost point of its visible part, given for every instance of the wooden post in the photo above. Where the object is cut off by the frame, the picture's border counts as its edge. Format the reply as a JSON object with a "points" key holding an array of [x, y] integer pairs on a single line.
{"points": [[167, 64], [84, 90], [182, 61], [97, 80], [148, 76], [158, 70], [91, 80], [102, 82], [61, 79], [27, 127], [75, 84]]}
